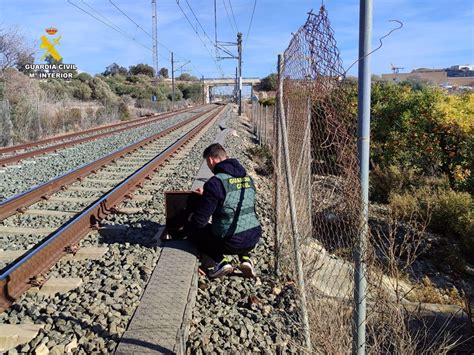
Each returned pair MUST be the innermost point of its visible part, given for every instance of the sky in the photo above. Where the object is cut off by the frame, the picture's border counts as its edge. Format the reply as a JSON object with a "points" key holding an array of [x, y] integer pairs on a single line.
{"points": [[435, 33]]}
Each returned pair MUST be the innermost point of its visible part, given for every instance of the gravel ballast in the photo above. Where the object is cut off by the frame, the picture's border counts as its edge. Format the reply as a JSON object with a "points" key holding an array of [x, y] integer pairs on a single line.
{"points": [[95, 315], [17, 178], [237, 315], [232, 315]]}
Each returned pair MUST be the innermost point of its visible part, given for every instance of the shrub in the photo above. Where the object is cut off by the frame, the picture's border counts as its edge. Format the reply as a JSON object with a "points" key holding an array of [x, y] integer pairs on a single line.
{"points": [[81, 90], [425, 129], [262, 156], [101, 91], [269, 101], [394, 179], [124, 113], [449, 212]]}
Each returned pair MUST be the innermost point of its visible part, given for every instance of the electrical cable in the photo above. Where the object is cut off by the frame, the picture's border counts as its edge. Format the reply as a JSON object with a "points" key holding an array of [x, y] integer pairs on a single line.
{"points": [[116, 28], [233, 16], [110, 24], [228, 17], [219, 68], [251, 21]]}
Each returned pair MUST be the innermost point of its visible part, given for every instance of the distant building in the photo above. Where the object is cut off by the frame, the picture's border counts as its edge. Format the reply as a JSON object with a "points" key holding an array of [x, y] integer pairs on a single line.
{"points": [[452, 77]]}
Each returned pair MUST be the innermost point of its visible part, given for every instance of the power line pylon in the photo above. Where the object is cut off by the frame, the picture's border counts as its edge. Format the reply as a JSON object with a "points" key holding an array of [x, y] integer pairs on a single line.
{"points": [[154, 36]]}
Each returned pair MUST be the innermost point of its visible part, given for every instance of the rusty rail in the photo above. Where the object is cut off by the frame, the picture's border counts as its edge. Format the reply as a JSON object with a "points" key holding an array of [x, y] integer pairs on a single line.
{"points": [[18, 202], [52, 148], [16, 278]]}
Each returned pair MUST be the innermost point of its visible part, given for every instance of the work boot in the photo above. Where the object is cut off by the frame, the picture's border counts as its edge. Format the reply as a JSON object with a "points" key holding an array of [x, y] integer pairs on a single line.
{"points": [[221, 269], [246, 267]]}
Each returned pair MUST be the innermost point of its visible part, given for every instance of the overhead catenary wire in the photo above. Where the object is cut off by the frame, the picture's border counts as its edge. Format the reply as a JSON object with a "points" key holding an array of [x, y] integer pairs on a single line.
{"points": [[250, 23], [228, 17], [99, 14], [125, 14], [145, 31], [104, 20], [110, 24], [233, 15], [219, 68]]}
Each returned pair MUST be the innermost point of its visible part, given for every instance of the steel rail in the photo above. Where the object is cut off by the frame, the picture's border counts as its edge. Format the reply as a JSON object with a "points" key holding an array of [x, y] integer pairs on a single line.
{"points": [[16, 278], [18, 202], [17, 147]]}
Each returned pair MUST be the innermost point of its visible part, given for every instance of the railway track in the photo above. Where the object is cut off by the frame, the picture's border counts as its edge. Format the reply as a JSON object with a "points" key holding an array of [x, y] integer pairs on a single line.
{"points": [[14, 154], [71, 205]]}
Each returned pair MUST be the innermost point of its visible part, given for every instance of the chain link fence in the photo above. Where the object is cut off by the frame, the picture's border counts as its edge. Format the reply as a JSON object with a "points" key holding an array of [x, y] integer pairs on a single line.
{"points": [[312, 132]]}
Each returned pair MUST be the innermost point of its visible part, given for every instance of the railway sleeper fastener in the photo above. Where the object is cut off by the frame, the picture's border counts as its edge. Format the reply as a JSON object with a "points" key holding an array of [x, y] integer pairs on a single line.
{"points": [[38, 280], [72, 249], [21, 209]]}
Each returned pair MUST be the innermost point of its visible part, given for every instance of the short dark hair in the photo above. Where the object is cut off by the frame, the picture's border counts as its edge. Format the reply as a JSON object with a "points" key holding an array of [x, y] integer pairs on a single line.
{"points": [[215, 151]]}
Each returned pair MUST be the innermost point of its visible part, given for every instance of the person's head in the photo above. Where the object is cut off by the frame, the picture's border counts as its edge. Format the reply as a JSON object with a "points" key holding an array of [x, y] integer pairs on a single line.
{"points": [[214, 154]]}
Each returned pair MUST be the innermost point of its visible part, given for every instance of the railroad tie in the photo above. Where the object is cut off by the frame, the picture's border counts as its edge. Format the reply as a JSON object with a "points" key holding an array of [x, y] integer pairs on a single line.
{"points": [[104, 181], [87, 253], [12, 335], [25, 231], [56, 285], [91, 189], [48, 212], [71, 199], [142, 198]]}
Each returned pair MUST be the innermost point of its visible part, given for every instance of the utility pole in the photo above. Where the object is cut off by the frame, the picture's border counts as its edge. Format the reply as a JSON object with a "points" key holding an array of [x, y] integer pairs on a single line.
{"points": [[363, 145], [239, 48], [215, 27], [236, 87], [172, 82], [221, 45], [203, 93], [154, 36]]}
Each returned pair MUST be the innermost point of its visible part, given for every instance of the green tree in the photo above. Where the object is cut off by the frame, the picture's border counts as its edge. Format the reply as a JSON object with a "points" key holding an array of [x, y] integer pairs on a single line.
{"points": [[191, 91], [83, 77], [144, 69], [187, 77], [269, 83], [114, 69], [163, 72]]}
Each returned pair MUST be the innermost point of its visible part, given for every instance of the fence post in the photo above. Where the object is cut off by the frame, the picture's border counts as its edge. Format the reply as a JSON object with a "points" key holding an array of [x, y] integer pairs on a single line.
{"points": [[277, 137], [254, 122], [294, 222], [310, 176], [265, 133], [363, 135]]}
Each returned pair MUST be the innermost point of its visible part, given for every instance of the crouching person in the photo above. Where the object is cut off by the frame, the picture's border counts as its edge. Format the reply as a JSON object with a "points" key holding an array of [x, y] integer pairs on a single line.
{"points": [[229, 197]]}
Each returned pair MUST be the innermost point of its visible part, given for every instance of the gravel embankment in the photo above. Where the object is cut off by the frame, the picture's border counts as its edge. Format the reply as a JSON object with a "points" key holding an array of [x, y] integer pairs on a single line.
{"points": [[15, 179], [236, 315], [232, 315], [95, 315], [25, 241]]}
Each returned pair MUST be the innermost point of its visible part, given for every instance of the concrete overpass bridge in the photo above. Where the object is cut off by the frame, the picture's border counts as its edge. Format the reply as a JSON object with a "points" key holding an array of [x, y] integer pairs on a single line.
{"points": [[210, 83]]}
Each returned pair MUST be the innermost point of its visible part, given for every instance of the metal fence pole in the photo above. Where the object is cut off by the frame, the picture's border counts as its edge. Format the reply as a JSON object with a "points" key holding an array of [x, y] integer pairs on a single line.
{"points": [[310, 175], [265, 133], [363, 144], [277, 135], [294, 222], [254, 122]]}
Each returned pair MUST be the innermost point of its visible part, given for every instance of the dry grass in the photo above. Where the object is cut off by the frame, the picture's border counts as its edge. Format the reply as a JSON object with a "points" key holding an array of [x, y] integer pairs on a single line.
{"points": [[426, 292], [29, 112]]}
